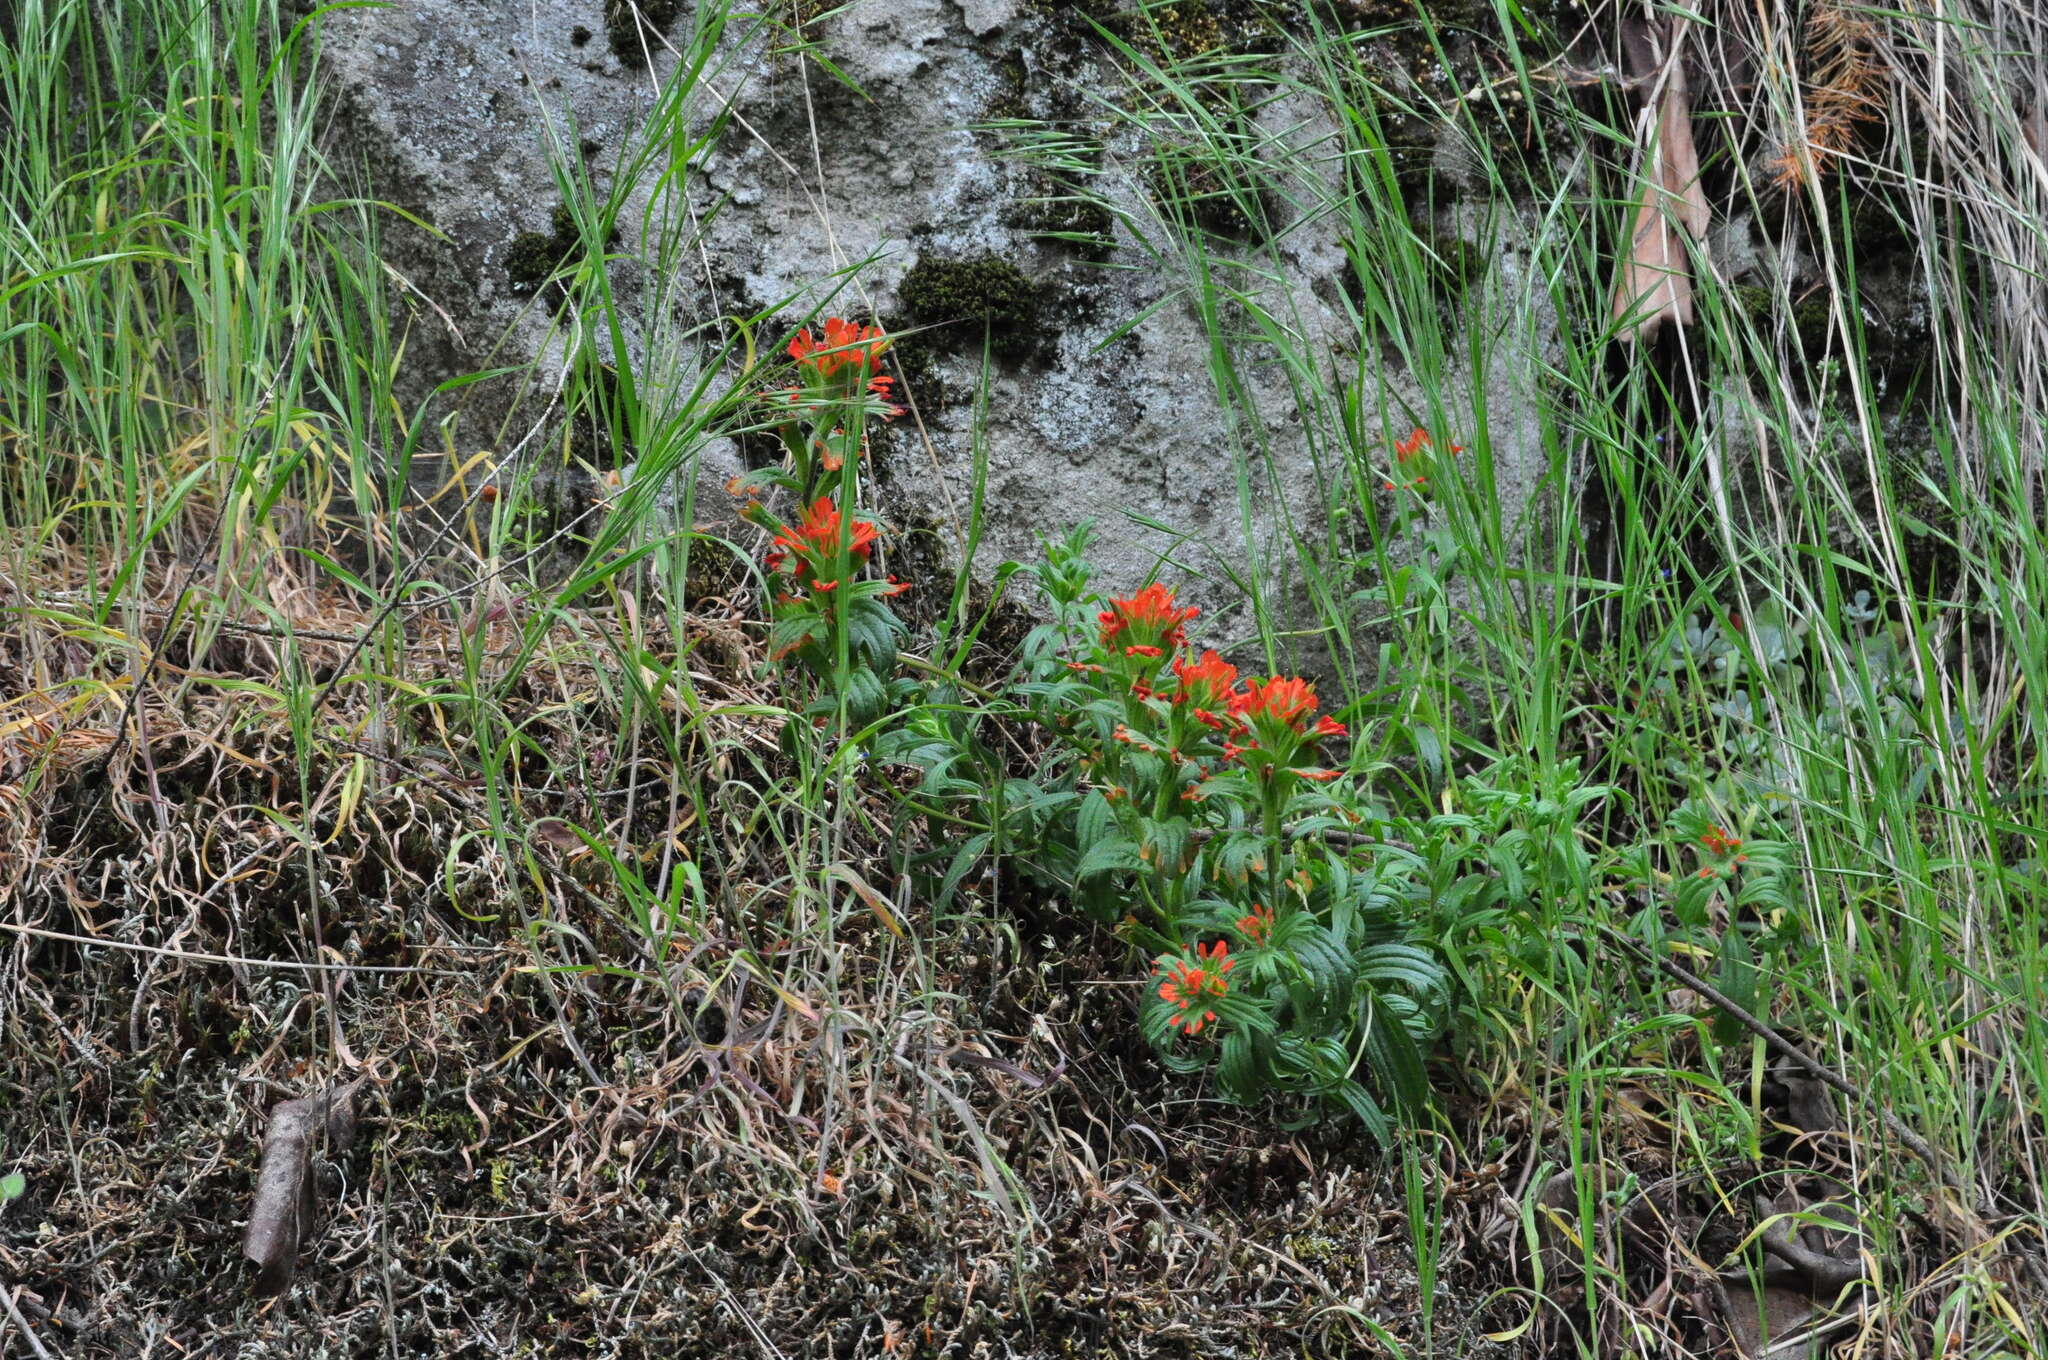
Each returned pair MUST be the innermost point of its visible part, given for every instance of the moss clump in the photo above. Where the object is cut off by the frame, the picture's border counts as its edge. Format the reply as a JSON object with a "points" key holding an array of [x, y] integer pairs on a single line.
{"points": [[1219, 202], [1188, 29], [1454, 261], [624, 21], [1813, 321], [1755, 302], [534, 256], [980, 289], [1012, 100]]}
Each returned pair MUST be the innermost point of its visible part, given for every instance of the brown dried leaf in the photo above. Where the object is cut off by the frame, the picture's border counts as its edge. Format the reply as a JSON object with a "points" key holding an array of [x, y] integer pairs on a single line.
{"points": [[1656, 280], [553, 831], [285, 1201]]}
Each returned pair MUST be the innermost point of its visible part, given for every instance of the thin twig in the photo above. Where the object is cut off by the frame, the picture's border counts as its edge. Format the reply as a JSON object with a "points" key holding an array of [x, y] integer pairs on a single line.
{"points": [[37, 932], [7, 1297]]}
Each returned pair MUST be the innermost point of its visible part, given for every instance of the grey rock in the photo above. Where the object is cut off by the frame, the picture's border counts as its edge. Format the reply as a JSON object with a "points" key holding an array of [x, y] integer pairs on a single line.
{"points": [[458, 107]]}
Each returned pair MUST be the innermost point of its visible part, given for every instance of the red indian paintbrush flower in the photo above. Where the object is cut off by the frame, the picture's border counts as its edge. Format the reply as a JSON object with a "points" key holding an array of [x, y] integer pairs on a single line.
{"points": [[846, 344], [813, 544], [1719, 841], [1418, 439], [1287, 700], [1207, 687], [1189, 981], [1147, 623], [1258, 926], [1273, 721]]}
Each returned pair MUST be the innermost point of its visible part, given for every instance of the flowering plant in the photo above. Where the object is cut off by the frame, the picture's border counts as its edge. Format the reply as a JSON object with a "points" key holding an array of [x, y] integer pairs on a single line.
{"points": [[1210, 818], [1413, 455], [829, 614]]}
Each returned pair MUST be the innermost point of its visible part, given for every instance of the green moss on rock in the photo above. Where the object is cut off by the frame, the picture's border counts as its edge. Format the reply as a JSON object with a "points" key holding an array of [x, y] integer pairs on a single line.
{"points": [[623, 20], [533, 256], [1217, 201], [1059, 213], [979, 288]]}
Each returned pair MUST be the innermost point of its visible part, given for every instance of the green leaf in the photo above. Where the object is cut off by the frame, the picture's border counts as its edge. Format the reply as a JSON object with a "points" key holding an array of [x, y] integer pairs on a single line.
{"points": [[1395, 1057], [1109, 855], [1168, 841], [864, 696], [793, 631], [964, 859], [1360, 1102], [1737, 981], [13, 1185], [1094, 823], [1235, 1070]]}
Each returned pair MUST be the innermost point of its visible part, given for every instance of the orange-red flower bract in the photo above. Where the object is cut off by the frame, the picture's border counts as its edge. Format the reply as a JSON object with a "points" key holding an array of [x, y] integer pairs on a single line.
{"points": [[1273, 715], [1283, 700], [1258, 926], [813, 542], [1719, 841], [1207, 687], [1189, 981], [1148, 619], [846, 344], [1407, 450]]}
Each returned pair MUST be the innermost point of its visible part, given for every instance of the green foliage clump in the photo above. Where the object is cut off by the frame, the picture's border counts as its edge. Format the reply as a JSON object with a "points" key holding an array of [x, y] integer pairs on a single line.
{"points": [[982, 288], [1211, 822]]}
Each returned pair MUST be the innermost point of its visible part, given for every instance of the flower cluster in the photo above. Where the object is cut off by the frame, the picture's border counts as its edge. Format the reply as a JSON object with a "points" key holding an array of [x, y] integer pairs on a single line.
{"points": [[1411, 449], [828, 614], [1197, 765], [1724, 853], [1189, 983], [1282, 702], [1208, 689], [1272, 731], [1257, 924], [1279, 947], [810, 548], [1265, 722], [839, 372], [1146, 624], [1268, 725], [847, 345]]}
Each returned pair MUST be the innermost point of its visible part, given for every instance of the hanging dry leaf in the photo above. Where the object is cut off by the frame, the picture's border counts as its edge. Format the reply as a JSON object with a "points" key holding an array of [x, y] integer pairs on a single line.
{"points": [[285, 1201], [1656, 280]]}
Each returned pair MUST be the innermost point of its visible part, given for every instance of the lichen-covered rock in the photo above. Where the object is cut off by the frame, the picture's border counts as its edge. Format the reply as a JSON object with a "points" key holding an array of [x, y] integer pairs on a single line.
{"points": [[866, 190]]}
